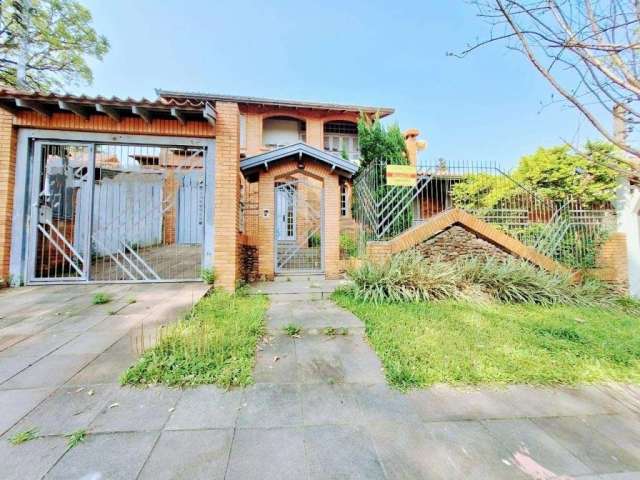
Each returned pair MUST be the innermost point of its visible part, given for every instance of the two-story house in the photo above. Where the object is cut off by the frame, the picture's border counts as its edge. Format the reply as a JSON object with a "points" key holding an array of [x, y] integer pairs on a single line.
{"points": [[96, 189]]}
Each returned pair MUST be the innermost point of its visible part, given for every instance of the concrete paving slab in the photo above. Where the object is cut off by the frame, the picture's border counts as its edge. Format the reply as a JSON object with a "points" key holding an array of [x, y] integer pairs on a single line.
{"points": [[276, 360], [595, 450], [15, 404], [379, 403], [532, 449], [267, 454], [51, 371], [66, 410], [205, 407], [270, 405], [623, 430], [116, 456], [105, 368], [10, 366], [408, 452], [189, 455], [444, 403], [39, 345], [32, 459], [341, 451], [324, 404], [463, 450], [94, 342], [532, 401], [136, 410]]}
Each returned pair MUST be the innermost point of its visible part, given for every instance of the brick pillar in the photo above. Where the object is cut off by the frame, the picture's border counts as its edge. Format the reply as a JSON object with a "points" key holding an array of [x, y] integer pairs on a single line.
{"points": [[411, 139], [315, 133], [266, 225], [331, 226], [8, 139], [227, 201], [254, 134]]}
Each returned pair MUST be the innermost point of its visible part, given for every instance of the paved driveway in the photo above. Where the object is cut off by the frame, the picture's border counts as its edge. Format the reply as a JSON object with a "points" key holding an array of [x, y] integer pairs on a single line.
{"points": [[320, 408]]}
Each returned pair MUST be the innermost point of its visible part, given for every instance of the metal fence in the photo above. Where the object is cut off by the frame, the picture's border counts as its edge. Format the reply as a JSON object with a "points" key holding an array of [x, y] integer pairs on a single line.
{"points": [[564, 229]]}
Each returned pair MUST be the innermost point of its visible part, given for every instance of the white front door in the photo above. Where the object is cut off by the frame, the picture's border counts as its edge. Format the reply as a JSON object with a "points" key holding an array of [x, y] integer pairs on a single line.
{"points": [[286, 215]]}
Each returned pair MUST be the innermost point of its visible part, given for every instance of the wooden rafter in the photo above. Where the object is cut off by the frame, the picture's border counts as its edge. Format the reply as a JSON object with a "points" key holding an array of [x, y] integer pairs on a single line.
{"points": [[79, 110], [109, 111], [177, 114], [142, 113], [38, 107]]}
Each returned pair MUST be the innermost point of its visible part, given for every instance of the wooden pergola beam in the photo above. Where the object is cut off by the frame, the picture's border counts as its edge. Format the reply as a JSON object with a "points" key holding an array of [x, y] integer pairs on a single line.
{"points": [[108, 111], [38, 107], [79, 110], [142, 113]]}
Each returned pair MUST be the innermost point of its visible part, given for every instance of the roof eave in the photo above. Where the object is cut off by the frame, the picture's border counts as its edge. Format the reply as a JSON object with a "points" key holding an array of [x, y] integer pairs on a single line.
{"points": [[382, 111]]}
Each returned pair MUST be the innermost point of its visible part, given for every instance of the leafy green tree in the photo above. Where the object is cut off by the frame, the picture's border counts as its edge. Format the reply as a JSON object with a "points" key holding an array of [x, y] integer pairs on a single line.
{"points": [[555, 173], [379, 143], [58, 37]]}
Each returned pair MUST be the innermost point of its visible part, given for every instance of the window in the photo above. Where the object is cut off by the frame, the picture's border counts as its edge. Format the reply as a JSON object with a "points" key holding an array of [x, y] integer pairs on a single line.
{"points": [[341, 138], [344, 199]]}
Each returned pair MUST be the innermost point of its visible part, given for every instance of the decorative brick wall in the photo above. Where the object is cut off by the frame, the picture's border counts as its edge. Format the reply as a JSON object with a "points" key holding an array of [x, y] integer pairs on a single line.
{"points": [[8, 139], [457, 242]]}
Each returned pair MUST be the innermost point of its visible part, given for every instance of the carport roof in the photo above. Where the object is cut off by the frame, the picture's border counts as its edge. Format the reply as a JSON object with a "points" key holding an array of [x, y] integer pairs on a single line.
{"points": [[264, 159]]}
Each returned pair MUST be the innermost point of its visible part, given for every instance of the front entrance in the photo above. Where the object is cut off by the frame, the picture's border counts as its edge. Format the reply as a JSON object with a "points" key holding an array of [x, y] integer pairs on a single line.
{"points": [[298, 225], [110, 212]]}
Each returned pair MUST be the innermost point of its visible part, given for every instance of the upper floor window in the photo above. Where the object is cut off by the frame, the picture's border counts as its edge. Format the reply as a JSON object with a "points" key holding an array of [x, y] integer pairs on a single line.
{"points": [[341, 137], [282, 131]]}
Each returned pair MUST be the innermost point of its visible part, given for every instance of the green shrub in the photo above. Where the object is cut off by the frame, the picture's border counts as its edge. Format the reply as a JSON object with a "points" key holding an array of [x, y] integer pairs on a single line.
{"points": [[348, 246]]}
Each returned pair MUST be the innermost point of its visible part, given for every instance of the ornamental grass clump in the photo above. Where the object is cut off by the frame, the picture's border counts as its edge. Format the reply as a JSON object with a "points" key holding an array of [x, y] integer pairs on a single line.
{"points": [[409, 277], [405, 277]]}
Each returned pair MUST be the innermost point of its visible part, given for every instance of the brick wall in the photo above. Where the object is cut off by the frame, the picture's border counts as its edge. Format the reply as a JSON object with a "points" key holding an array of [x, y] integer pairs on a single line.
{"points": [[227, 201], [8, 139], [611, 261]]}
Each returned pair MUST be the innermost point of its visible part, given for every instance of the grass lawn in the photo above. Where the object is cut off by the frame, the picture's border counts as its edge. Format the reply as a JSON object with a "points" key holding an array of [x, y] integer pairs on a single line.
{"points": [[214, 344], [459, 343]]}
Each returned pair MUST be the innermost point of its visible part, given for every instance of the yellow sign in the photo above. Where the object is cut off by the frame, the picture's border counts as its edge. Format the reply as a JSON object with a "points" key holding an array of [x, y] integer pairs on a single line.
{"points": [[401, 175]]}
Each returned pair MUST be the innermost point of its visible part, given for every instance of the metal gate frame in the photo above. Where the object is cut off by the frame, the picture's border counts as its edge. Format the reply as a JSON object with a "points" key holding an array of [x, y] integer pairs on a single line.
{"points": [[277, 269], [28, 156]]}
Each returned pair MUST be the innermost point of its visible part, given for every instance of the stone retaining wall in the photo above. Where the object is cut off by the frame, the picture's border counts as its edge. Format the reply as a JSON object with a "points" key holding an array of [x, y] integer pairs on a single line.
{"points": [[456, 242]]}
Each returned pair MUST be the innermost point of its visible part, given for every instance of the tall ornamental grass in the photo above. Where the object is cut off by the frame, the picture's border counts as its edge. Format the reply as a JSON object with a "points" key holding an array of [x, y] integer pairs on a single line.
{"points": [[409, 277]]}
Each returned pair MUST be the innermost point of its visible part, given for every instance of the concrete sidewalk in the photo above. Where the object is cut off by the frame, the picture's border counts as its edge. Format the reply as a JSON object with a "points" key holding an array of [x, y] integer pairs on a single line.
{"points": [[320, 408]]}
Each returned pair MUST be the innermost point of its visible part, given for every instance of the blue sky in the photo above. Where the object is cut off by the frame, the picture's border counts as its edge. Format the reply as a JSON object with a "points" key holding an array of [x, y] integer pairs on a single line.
{"points": [[485, 107]]}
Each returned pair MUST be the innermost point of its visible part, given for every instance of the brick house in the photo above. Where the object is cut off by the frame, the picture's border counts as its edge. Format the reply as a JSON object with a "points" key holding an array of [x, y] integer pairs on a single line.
{"points": [[121, 190]]}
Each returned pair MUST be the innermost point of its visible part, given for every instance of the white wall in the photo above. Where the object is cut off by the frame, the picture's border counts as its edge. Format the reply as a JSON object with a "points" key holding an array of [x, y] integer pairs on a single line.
{"points": [[628, 209], [280, 132]]}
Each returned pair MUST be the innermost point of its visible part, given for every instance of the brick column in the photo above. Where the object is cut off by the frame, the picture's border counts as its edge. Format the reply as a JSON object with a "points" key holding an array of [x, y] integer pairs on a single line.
{"points": [[266, 201], [331, 226], [227, 201], [8, 139], [315, 133]]}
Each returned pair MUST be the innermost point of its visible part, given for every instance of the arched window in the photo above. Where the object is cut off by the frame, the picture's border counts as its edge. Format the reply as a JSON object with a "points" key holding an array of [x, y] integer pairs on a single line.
{"points": [[341, 137], [282, 131]]}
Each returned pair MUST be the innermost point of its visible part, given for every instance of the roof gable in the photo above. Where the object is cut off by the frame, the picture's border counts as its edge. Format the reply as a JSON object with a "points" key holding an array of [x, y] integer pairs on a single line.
{"points": [[281, 153]]}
